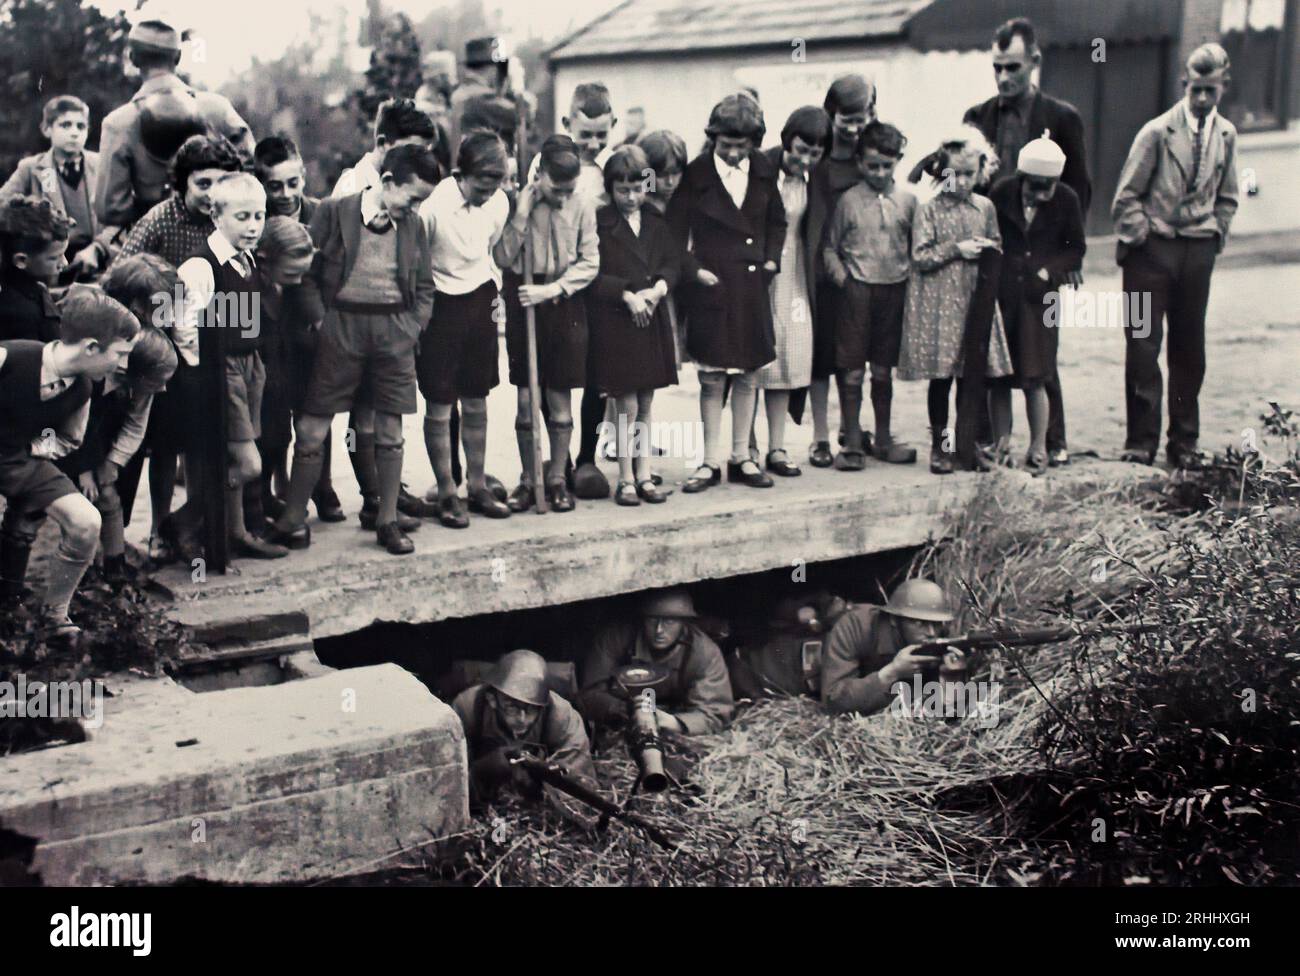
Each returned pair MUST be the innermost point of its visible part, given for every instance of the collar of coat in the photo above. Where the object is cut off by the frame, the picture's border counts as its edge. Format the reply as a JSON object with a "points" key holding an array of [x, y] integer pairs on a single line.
{"points": [[1179, 137], [716, 202]]}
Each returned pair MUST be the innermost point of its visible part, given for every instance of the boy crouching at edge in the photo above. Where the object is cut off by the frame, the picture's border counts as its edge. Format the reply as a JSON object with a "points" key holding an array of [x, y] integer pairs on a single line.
{"points": [[44, 408]]}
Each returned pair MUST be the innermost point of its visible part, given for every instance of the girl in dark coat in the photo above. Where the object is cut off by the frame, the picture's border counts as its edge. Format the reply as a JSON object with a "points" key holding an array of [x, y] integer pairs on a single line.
{"points": [[631, 335], [1041, 223], [729, 206]]}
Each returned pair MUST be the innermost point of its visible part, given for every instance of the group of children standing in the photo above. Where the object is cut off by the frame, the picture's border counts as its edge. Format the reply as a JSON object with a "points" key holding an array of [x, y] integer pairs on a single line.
{"points": [[772, 270]]}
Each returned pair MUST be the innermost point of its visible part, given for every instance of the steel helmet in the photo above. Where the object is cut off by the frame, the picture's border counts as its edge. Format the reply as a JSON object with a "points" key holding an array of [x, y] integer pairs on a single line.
{"points": [[167, 119], [920, 599], [668, 603], [521, 675]]}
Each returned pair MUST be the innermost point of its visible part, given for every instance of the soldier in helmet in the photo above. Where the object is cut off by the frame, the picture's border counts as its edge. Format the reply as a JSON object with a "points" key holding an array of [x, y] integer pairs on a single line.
{"points": [[870, 648], [139, 138], [789, 660], [516, 711], [487, 67], [695, 699]]}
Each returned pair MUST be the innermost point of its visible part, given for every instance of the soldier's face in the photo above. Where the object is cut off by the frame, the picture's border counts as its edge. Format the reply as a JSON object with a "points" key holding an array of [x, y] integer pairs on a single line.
{"points": [[198, 190], [67, 134], [518, 717], [918, 631], [241, 220], [661, 633], [284, 183]]}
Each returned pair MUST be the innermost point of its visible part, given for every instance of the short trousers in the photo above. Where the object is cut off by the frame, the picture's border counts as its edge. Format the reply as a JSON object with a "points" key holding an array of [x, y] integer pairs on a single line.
{"points": [[458, 351], [361, 360], [245, 384]]}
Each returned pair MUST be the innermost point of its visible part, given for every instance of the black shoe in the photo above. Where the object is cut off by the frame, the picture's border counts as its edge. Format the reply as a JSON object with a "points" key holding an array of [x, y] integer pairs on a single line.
{"points": [[737, 474], [115, 571], [251, 547], [521, 499], [1188, 458], [779, 463], [1137, 456], [589, 483], [495, 486], [369, 518], [328, 507], [819, 455], [1058, 458], [558, 497], [394, 539], [413, 506], [648, 491], [451, 513], [699, 482], [290, 538], [483, 502]]}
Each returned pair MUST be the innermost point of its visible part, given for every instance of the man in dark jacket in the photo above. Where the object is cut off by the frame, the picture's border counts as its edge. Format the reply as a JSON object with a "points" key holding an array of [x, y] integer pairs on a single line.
{"points": [[1018, 113]]}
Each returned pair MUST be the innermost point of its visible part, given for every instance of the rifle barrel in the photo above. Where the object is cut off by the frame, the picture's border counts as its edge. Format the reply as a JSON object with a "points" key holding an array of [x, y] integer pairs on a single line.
{"points": [[553, 775]]}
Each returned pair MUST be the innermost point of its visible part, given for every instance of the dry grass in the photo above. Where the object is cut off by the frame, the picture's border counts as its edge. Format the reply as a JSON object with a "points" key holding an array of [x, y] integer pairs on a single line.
{"points": [[791, 796]]}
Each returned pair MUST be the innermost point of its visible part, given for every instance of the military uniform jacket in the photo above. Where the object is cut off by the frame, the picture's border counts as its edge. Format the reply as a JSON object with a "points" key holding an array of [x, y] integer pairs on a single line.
{"points": [[558, 736], [698, 689], [860, 644], [131, 181]]}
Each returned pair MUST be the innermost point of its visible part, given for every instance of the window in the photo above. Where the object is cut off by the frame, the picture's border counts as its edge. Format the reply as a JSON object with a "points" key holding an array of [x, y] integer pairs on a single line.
{"points": [[1254, 33]]}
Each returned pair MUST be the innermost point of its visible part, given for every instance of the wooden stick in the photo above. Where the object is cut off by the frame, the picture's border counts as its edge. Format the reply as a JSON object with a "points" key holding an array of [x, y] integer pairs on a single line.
{"points": [[530, 319]]}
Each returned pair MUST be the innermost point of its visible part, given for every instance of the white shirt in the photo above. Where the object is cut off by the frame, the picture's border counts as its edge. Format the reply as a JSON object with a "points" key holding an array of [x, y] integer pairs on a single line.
{"points": [[734, 178], [72, 431], [371, 204], [360, 177], [196, 276], [1193, 121], [634, 221], [462, 237]]}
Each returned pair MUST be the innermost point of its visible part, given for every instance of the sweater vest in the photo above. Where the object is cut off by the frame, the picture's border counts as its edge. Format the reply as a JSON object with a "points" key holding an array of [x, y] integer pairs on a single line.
{"points": [[24, 416]]}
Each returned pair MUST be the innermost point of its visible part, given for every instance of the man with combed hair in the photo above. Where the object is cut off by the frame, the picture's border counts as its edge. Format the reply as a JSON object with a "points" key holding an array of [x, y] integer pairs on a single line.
{"points": [[1175, 201]]}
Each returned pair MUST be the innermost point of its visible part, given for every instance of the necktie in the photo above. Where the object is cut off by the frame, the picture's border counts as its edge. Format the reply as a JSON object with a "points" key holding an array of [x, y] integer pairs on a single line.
{"points": [[71, 170], [1196, 151], [243, 264]]}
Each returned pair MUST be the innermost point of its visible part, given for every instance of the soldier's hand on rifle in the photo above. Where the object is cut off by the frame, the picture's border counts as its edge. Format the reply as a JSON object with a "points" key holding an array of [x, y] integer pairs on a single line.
{"points": [[530, 295], [906, 663]]}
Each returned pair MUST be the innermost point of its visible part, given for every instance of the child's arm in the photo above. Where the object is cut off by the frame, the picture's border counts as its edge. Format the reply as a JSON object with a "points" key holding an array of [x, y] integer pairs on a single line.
{"points": [[424, 286], [131, 434], [507, 249], [67, 436], [928, 252], [1071, 242], [321, 229], [776, 225], [836, 230], [582, 272], [196, 277]]}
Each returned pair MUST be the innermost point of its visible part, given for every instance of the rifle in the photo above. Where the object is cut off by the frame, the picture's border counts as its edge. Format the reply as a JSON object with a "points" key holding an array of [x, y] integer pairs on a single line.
{"points": [[982, 640], [553, 775], [530, 320]]}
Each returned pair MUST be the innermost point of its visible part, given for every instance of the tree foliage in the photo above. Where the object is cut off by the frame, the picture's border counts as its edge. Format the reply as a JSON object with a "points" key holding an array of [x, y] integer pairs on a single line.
{"points": [[56, 47]]}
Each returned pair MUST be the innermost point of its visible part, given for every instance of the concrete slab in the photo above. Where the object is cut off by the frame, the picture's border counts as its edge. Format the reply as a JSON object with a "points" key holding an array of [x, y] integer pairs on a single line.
{"points": [[314, 778], [345, 582]]}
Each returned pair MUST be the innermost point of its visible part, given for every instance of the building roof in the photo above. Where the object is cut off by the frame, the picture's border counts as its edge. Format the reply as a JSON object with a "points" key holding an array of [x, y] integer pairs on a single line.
{"points": [[673, 26], [667, 27]]}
